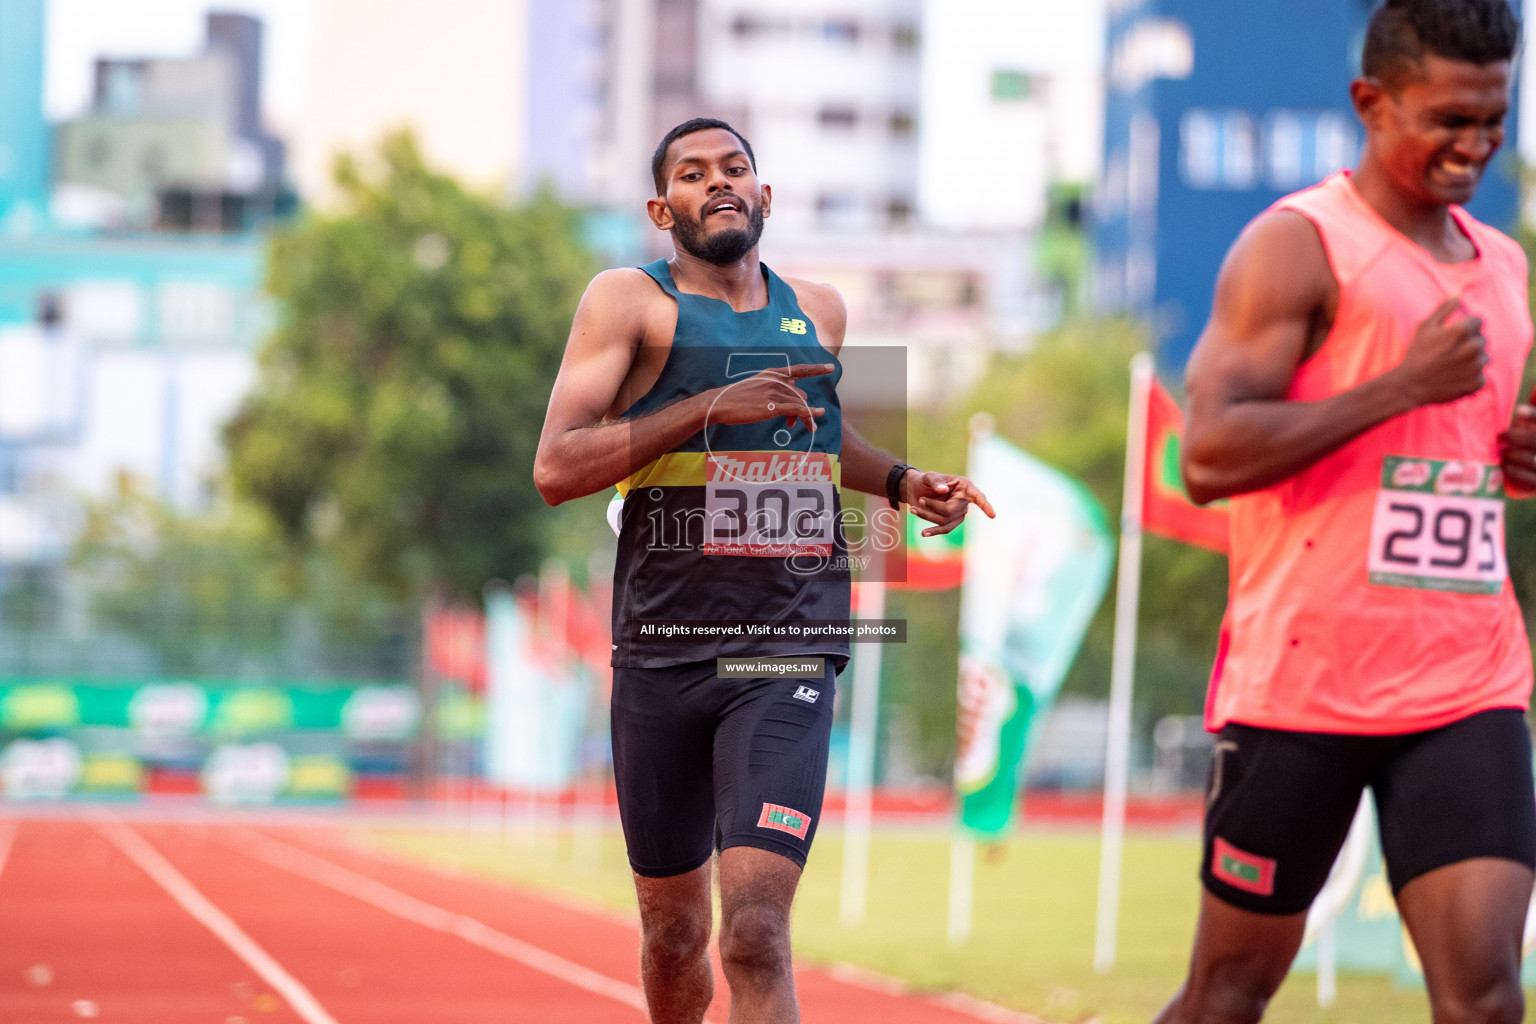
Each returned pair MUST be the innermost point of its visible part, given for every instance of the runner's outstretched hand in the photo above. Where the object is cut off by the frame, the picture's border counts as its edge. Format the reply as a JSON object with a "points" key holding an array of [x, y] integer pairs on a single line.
{"points": [[942, 499]]}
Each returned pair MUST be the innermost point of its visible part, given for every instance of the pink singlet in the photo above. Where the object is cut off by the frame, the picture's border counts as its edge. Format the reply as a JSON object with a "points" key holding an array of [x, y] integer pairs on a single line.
{"points": [[1369, 592]]}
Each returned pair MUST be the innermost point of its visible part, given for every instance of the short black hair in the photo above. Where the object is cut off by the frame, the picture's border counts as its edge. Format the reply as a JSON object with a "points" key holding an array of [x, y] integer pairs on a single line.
{"points": [[696, 124], [1401, 32]]}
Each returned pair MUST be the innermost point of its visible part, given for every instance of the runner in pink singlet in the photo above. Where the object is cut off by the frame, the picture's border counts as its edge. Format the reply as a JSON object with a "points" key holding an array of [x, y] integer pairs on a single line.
{"points": [[1357, 581], [1355, 394]]}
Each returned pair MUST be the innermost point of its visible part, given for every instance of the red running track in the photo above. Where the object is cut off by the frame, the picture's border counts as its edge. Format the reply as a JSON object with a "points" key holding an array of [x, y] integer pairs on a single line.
{"points": [[220, 923]]}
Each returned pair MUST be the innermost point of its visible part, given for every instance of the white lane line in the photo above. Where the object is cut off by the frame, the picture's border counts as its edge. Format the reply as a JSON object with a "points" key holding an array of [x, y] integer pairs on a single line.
{"points": [[959, 1002], [7, 838], [359, 886], [138, 850]]}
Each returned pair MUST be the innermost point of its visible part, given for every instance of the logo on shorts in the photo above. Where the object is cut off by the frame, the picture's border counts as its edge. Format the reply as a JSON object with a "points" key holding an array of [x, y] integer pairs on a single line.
{"points": [[1246, 871], [807, 694], [785, 819]]}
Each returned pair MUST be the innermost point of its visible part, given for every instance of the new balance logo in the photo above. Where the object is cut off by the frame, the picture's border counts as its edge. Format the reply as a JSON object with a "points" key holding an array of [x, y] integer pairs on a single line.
{"points": [[792, 326], [807, 694]]}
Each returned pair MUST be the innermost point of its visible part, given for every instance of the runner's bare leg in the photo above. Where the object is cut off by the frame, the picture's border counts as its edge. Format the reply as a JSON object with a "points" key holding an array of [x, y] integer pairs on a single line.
{"points": [[1239, 961], [756, 890], [675, 921], [1467, 921]]}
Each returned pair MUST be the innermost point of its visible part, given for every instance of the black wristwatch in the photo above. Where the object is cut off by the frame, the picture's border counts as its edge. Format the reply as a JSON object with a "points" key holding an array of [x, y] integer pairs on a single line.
{"points": [[893, 483]]}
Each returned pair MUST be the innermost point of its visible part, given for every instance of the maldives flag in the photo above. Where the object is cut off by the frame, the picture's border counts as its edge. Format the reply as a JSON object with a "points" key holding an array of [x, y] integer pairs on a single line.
{"points": [[1166, 509]]}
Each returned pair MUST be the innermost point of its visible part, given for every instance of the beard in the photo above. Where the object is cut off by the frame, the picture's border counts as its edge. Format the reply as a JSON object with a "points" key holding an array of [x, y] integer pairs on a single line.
{"points": [[721, 248]]}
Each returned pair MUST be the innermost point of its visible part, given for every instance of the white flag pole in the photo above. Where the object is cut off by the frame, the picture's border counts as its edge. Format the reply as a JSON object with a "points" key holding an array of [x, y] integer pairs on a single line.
{"points": [[962, 886], [962, 846], [859, 790], [1327, 966], [1333, 900], [555, 620], [1123, 668]]}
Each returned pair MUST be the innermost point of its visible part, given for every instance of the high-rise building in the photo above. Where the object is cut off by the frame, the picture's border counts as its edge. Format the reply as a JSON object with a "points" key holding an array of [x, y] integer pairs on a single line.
{"points": [[1012, 104], [121, 351], [830, 95], [910, 143], [177, 143], [1215, 110]]}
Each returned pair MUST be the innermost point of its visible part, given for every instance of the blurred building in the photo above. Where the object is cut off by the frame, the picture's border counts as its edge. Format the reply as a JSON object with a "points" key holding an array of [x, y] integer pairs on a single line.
{"points": [[175, 142], [127, 336], [829, 94], [453, 71], [1213, 112], [1012, 105], [911, 145]]}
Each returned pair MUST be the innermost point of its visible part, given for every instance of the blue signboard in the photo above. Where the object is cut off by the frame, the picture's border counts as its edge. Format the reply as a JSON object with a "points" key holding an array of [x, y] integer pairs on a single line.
{"points": [[1214, 110]]}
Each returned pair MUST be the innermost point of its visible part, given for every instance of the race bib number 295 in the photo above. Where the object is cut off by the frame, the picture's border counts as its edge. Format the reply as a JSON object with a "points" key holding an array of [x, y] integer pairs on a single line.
{"points": [[769, 504], [1439, 526]]}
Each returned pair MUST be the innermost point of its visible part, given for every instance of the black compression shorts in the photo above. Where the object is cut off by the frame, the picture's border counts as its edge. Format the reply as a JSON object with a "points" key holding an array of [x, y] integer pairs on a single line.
{"points": [[702, 763], [1279, 805]]}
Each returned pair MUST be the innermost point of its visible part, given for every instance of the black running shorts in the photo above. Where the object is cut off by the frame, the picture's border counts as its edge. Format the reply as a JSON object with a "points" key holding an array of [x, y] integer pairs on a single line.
{"points": [[1279, 805], [703, 763]]}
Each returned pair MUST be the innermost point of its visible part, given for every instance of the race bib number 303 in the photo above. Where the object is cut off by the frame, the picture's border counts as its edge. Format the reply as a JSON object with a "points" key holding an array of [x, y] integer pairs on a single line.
{"points": [[769, 504], [1439, 526]]}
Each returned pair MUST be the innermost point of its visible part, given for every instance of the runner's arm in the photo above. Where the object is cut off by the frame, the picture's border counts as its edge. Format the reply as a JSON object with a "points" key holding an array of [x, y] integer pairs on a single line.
{"points": [[1273, 293], [1517, 451], [938, 498], [579, 451]]}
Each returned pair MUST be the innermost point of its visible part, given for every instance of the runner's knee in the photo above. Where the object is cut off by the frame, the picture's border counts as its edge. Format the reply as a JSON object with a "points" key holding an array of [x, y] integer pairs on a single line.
{"points": [[675, 938], [754, 936], [1233, 993], [1228, 1004], [1502, 1002]]}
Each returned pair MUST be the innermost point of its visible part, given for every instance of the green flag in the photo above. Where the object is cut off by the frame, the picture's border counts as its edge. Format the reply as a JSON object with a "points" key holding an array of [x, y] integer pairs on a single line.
{"points": [[1033, 578]]}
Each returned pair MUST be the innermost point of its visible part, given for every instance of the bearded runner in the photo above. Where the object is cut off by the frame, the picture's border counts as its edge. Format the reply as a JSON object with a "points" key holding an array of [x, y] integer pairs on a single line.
{"points": [[705, 388]]}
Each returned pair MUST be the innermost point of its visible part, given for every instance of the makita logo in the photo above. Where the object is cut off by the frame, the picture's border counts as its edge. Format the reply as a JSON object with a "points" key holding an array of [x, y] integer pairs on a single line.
{"points": [[807, 694], [769, 467]]}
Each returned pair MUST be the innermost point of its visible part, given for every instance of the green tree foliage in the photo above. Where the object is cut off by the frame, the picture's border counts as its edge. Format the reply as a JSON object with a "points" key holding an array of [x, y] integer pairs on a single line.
{"points": [[400, 399], [212, 594], [1065, 402]]}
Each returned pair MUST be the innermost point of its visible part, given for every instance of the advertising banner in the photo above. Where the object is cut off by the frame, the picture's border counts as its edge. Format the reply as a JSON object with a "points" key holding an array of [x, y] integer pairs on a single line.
{"points": [[240, 741]]}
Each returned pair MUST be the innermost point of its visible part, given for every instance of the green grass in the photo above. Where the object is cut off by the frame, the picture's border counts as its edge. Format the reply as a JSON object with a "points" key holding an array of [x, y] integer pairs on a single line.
{"points": [[1033, 934]]}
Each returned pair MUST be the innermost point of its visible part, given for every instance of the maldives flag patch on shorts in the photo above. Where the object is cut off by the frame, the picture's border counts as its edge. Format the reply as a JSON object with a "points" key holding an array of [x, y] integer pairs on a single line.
{"points": [[1246, 871], [785, 819]]}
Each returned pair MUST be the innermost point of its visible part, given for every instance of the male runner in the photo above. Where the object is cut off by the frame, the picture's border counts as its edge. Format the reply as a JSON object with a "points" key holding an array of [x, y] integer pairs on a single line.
{"points": [[1352, 394], [704, 387]]}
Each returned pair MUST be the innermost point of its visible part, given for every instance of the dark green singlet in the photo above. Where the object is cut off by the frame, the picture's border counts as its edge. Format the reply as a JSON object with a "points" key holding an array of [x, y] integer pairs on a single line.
{"points": [[738, 526]]}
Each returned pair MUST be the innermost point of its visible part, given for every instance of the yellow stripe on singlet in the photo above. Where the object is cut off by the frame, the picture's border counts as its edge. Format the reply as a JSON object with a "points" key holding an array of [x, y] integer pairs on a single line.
{"points": [[690, 469]]}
